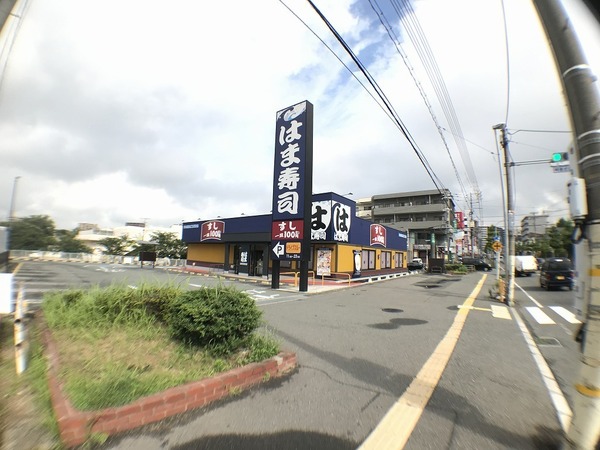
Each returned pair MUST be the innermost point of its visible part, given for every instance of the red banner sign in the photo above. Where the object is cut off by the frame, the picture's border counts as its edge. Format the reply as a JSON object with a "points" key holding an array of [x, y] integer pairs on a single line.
{"points": [[212, 230]]}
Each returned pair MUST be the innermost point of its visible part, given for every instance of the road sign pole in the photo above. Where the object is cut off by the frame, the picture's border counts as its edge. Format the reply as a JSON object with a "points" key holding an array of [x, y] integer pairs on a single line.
{"points": [[497, 265]]}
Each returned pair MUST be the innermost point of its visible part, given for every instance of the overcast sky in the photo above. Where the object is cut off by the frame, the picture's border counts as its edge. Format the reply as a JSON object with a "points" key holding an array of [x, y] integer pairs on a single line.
{"points": [[116, 111]]}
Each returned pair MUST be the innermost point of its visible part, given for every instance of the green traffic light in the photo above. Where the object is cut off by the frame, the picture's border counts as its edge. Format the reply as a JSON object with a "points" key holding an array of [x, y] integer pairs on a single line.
{"points": [[560, 157]]}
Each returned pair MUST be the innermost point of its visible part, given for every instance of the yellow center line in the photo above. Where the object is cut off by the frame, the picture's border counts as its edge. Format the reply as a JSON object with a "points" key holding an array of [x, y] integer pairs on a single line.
{"points": [[399, 422], [17, 268]]}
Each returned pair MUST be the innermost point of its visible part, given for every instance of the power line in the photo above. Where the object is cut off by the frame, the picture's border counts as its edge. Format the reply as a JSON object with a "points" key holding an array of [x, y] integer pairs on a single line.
{"points": [[434, 178], [385, 111], [406, 61], [507, 62], [411, 24]]}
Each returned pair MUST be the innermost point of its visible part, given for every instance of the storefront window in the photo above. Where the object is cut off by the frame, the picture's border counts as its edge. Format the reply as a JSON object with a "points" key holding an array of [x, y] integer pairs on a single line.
{"points": [[368, 260], [386, 260]]}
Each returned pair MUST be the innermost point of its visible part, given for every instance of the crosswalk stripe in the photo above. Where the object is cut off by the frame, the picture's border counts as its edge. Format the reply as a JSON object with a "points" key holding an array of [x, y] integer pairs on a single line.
{"points": [[540, 316], [565, 314], [500, 312]]}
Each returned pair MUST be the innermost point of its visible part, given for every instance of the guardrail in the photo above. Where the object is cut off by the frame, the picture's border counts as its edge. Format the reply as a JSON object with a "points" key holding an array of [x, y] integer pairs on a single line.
{"points": [[336, 273], [297, 274], [90, 258]]}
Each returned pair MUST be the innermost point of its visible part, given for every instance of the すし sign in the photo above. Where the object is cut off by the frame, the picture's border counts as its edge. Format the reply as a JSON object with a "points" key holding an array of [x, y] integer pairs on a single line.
{"points": [[378, 235], [212, 230]]}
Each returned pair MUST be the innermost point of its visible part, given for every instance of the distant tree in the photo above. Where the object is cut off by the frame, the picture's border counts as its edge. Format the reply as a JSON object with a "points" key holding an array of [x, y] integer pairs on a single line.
{"points": [[68, 242], [116, 245], [559, 238], [31, 233], [168, 245]]}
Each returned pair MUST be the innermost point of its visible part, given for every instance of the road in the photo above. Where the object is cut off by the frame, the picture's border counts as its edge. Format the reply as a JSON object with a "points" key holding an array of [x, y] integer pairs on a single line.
{"points": [[360, 350]]}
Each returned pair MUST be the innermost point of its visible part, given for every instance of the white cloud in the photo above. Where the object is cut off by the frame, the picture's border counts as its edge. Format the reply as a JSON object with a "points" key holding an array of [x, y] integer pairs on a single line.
{"points": [[169, 113]]}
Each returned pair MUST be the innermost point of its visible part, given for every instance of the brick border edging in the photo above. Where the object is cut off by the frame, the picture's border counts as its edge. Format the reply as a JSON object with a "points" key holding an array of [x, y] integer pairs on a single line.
{"points": [[76, 426]]}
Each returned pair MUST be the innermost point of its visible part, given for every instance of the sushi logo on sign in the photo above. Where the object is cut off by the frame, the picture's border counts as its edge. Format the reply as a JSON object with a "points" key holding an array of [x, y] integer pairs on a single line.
{"points": [[320, 220], [341, 222], [289, 162], [212, 230], [292, 181], [378, 235]]}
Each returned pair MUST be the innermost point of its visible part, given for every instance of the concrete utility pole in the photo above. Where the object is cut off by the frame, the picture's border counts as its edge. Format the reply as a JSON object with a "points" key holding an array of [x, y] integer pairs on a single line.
{"points": [[13, 201], [583, 101], [509, 252]]}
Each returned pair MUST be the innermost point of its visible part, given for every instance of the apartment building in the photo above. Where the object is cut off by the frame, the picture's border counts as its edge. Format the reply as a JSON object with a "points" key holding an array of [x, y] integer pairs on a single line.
{"points": [[428, 216], [533, 227]]}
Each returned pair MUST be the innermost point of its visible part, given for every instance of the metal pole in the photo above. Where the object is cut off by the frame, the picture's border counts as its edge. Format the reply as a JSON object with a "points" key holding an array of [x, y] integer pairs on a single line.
{"points": [[583, 100]]}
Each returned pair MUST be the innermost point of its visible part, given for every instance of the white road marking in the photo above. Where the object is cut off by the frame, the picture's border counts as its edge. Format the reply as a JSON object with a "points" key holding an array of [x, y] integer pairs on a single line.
{"points": [[565, 314], [131, 286], [563, 411], [540, 316], [196, 285], [538, 304], [259, 294], [500, 312]]}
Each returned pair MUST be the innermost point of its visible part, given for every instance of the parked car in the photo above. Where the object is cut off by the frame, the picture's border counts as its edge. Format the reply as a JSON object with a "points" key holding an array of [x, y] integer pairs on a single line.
{"points": [[415, 264], [540, 261], [556, 272], [478, 263]]}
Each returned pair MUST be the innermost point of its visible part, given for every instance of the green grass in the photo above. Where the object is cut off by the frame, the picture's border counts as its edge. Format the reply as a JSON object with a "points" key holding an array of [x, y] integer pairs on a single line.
{"points": [[115, 345]]}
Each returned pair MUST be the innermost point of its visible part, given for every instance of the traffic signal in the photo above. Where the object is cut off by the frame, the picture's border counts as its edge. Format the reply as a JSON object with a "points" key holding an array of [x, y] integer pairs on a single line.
{"points": [[560, 157]]}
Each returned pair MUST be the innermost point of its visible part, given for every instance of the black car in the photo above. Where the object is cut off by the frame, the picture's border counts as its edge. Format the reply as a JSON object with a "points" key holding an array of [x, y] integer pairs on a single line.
{"points": [[478, 263], [556, 272]]}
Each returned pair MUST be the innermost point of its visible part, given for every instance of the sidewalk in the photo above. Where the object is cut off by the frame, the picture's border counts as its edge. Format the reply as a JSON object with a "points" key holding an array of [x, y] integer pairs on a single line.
{"points": [[290, 283]]}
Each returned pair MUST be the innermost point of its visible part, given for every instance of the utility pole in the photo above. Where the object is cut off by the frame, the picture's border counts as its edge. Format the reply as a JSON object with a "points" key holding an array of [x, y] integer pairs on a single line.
{"points": [[510, 219], [11, 213], [471, 223], [583, 100]]}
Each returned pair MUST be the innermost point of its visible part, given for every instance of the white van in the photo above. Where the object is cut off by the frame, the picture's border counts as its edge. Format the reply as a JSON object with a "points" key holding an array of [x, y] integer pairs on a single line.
{"points": [[525, 265]]}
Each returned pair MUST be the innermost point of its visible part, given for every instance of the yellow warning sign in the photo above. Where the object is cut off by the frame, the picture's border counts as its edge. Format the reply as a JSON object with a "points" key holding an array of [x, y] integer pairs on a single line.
{"points": [[497, 246]]}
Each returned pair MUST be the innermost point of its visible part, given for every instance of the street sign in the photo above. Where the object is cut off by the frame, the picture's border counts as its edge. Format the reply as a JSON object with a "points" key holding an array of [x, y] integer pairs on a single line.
{"points": [[561, 168], [497, 246]]}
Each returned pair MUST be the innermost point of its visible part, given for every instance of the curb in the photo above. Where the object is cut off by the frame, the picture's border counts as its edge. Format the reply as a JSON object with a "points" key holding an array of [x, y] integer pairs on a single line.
{"points": [[76, 426]]}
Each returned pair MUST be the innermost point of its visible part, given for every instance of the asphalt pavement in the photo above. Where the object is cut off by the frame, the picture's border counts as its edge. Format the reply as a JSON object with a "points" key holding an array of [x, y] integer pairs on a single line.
{"points": [[360, 351], [420, 362]]}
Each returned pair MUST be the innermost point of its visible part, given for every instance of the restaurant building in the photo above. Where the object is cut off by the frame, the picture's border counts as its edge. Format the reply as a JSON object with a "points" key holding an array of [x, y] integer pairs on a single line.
{"points": [[341, 244]]}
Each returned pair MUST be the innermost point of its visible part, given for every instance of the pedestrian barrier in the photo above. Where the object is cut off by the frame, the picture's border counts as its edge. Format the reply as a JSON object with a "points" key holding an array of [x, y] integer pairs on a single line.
{"points": [[337, 273]]}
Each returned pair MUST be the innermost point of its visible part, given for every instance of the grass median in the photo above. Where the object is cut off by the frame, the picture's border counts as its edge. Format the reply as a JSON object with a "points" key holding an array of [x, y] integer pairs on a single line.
{"points": [[119, 344]]}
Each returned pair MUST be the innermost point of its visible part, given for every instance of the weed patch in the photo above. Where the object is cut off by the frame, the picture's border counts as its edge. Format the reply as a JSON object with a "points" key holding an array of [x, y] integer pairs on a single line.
{"points": [[117, 344]]}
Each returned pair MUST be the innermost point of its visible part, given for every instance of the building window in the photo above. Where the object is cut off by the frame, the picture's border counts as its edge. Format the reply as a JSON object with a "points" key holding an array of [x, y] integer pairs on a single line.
{"points": [[386, 260], [368, 260], [398, 260]]}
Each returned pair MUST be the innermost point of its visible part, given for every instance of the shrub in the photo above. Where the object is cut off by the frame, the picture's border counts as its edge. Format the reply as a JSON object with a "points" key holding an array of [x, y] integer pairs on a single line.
{"points": [[220, 318], [113, 305], [456, 268]]}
